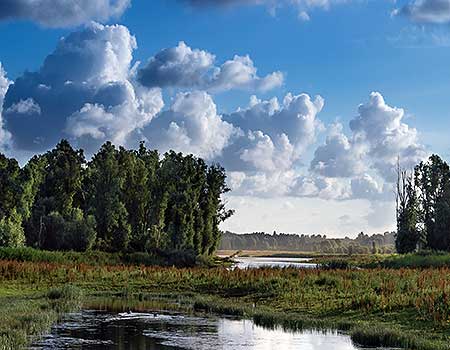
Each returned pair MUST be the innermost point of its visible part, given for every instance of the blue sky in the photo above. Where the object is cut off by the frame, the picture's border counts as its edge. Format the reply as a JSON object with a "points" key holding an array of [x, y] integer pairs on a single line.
{"points": [[342, 53]]}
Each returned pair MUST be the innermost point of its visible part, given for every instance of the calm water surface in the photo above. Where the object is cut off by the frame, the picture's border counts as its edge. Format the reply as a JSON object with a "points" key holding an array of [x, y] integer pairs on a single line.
{"points": [[258, 262], [137, 331]]}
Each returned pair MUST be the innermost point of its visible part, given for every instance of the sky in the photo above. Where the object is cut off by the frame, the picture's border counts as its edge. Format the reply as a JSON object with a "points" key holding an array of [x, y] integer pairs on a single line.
{"points": [[308, 104]]}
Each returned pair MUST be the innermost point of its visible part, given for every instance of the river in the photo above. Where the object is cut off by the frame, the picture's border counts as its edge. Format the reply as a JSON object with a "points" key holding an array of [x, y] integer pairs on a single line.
{"points": [[259, 262], [91, 330]]}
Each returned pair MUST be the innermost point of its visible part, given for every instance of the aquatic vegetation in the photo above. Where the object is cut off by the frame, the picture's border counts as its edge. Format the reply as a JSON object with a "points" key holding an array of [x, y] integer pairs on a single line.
{"points": [[382, 336], [23, 316]]}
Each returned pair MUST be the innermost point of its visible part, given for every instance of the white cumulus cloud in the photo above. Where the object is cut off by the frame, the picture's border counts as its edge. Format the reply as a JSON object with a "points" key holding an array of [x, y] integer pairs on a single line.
{"points": [[85, 90], [191, 125], [338, 157], [184, 67], [27, 106], [382, 129]]}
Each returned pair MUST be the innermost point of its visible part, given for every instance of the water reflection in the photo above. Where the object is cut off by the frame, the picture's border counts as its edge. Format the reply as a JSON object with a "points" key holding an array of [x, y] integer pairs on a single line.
{"points": [[136, 331], [258, 262]]}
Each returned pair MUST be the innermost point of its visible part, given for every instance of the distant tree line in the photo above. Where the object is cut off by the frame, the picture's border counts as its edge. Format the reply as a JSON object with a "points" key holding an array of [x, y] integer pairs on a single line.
{"points": [[423, 207], [120, 200], [363, 243]]}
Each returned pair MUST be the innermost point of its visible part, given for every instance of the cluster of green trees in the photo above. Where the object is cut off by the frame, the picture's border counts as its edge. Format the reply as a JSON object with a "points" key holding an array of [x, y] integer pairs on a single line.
{"points": [[423, 207], [120, 200], [362, 244]]}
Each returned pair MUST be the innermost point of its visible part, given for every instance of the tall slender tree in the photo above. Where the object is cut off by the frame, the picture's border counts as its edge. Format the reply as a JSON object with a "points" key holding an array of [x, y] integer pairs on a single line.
{"points": [[11, 230], [407, 238], [61, 170], [431, 179], [105, 184]]}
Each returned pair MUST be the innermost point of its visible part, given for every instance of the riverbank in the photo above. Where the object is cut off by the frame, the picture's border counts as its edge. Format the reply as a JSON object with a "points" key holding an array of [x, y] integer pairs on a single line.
{"points": [[392, 307], [25, 313]]}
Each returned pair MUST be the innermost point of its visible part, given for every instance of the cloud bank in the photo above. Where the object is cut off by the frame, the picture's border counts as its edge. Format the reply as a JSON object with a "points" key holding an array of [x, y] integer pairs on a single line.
{"points": [[62, 13], [85, 91], [89, 90]]}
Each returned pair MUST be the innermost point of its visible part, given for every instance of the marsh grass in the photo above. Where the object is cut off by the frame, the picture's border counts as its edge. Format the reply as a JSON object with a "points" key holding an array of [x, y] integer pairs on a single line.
{"points": [[98, 258], [420, 260], [24, 317], [378, 336]]}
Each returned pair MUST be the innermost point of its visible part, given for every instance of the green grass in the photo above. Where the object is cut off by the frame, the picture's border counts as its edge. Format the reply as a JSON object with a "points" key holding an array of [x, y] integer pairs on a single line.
{"points": [[98, 258], [420, 260], [25, 315]]}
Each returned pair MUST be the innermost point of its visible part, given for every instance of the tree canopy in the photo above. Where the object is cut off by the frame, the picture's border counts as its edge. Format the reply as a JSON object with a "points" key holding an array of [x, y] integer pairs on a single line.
{"points": [[120, 200], [423, 207]]}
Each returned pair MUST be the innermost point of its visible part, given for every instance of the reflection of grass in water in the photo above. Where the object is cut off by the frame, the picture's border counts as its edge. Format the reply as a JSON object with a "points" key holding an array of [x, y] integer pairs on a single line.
{"points": [[138, 303]]}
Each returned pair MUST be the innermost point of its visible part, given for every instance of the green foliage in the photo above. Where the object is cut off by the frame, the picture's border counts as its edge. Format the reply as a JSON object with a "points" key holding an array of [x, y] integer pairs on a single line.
{"points": [[423, 207], [9, 185], [121, 201], [105, 201], [432, 181], [407, 237], [53, 184], [11, 231], [73, 232], [11, 195]]}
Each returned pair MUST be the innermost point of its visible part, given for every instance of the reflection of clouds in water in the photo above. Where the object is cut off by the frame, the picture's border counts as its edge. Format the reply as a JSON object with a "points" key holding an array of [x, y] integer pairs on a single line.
{"points": [[92, 330], [245, 335], [260, 262]]}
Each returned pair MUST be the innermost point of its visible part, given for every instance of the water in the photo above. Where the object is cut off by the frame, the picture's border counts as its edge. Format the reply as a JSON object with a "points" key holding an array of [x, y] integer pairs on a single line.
{"points": [[258, 262], [91, 330]]}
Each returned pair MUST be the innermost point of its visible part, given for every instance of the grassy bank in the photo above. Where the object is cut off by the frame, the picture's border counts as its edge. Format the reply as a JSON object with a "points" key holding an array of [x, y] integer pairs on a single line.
{"points": [[422, 260], [25, 314], [98, 258], [381, 306]]}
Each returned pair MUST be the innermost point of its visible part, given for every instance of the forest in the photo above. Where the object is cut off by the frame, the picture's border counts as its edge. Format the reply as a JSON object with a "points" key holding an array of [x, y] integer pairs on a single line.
{"points": [[423, 207], [119, 201], [362, 244]]}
